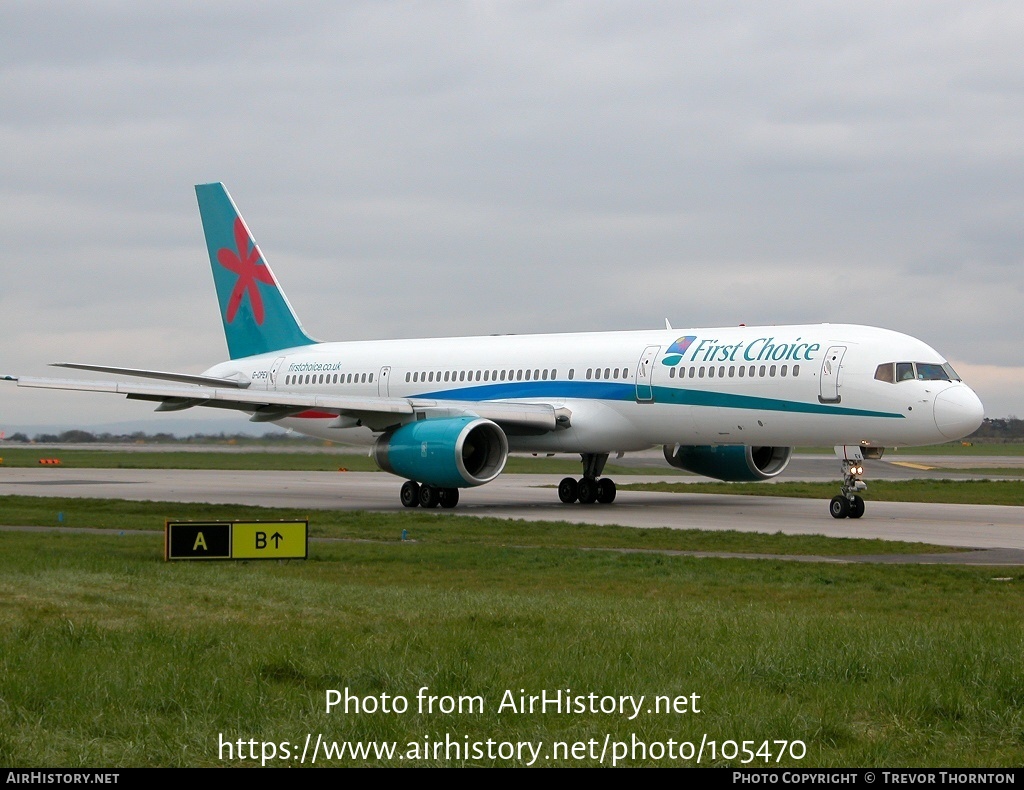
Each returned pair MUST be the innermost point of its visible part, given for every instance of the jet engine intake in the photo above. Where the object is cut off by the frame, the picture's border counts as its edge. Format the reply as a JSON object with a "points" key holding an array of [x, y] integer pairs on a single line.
{"points": [[451, 452]]}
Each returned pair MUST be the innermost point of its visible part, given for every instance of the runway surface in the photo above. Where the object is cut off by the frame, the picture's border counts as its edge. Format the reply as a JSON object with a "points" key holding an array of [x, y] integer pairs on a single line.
{"points": [[532, 497]]}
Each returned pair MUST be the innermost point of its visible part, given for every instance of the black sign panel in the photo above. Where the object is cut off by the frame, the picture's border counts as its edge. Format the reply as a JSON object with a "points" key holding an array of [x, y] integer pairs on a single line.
{"points": [[198, 541]]}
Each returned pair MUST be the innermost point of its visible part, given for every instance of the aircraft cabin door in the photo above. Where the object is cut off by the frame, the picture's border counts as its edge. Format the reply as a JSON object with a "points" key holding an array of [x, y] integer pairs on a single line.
{"points": [[383, 379], [272, 378], [831, 368], [644, 374]]}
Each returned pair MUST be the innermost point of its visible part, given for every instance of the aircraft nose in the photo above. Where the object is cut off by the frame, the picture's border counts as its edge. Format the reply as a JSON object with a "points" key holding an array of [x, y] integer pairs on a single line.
{"points": [[958, 411]]}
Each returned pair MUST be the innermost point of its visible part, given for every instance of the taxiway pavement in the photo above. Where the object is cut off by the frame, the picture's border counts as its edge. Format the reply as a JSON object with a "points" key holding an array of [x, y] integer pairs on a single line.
{"points": [[533, 497]]}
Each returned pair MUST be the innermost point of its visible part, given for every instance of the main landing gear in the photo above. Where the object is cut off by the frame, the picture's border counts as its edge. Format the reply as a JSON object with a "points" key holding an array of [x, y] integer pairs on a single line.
{"points": [[589, 489], [428, 496], [849, 504]]}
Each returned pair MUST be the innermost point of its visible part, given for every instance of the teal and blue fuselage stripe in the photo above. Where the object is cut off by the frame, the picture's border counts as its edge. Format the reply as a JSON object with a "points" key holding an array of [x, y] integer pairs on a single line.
{"points": [[611, 391]]}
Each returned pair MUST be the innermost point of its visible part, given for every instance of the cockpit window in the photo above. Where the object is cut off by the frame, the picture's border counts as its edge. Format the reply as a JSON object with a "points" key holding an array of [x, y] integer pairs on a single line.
{"points": [[884, 373], [919, 371], [930, 372]]}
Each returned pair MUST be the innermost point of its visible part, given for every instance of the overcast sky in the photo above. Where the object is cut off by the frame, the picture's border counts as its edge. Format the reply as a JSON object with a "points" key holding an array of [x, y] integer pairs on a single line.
{"points": [[419, 169]]}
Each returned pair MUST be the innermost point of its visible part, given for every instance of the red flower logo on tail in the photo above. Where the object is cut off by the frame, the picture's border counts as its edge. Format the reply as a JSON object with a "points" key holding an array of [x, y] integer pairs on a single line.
{"points": [[247, 265]]}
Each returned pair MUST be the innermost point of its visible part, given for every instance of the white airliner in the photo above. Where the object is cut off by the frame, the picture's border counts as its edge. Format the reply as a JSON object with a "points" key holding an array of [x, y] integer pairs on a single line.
{"points": [[729, 403]]}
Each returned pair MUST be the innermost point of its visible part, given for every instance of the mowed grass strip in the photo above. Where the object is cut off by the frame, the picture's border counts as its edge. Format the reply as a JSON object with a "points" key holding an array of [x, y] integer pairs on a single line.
{"points": [[964, 492], [951, 449], [275, 461], [110, 657], [438, 527]]}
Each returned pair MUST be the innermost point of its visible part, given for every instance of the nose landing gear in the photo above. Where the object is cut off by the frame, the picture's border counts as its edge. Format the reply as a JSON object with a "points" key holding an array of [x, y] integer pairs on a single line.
{"points": [[849, 504]]}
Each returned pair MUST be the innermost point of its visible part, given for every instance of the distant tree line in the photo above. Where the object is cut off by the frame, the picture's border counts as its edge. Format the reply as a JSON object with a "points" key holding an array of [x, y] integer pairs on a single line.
{"points": [[999, 429], [140, 437]]}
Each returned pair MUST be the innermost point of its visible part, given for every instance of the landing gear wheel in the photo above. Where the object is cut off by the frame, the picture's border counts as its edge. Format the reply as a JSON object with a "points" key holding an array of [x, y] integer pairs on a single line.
{"points": [[429, 496], [839, 507], [448, 497], [410, 493], [587, 491], [568, 490], [857, 507], [605, 491]]}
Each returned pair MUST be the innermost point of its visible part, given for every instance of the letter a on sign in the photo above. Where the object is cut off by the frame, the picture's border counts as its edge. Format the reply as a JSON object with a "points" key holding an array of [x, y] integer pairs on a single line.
{"points": [[200, 541]]}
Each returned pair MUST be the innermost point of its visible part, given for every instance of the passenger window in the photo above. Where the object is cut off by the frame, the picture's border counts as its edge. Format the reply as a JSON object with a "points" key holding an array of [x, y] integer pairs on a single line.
{"points": [[554, 374], [782, 372], [721, 372], [371, 378], [761, 373], [671, 373], [711, 372], [572, 373], [741, 371], [700, 372], [796, 370], [732, 371], [771, 371], [590, 372], [527, 375], [607, 371]]}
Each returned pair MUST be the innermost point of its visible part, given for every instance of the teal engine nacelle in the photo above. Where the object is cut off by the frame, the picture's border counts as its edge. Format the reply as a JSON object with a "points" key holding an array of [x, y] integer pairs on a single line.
{"points": [[729, 462], [448, 452]]}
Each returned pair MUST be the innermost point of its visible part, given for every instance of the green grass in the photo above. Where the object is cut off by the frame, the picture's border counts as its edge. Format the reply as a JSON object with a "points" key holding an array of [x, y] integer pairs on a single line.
{"points": [[985, 471], [976, 492], [950, 448], [110, 657], [273, 461], [438, 528], [185, 459]]}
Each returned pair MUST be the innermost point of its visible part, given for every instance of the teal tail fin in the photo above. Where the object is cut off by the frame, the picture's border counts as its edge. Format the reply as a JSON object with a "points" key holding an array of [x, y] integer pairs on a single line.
{"points": [[257, 316]]}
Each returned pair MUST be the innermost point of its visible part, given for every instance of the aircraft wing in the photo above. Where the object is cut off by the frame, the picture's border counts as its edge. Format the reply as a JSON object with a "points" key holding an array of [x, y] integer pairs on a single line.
{"points": [[378, 413]]}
